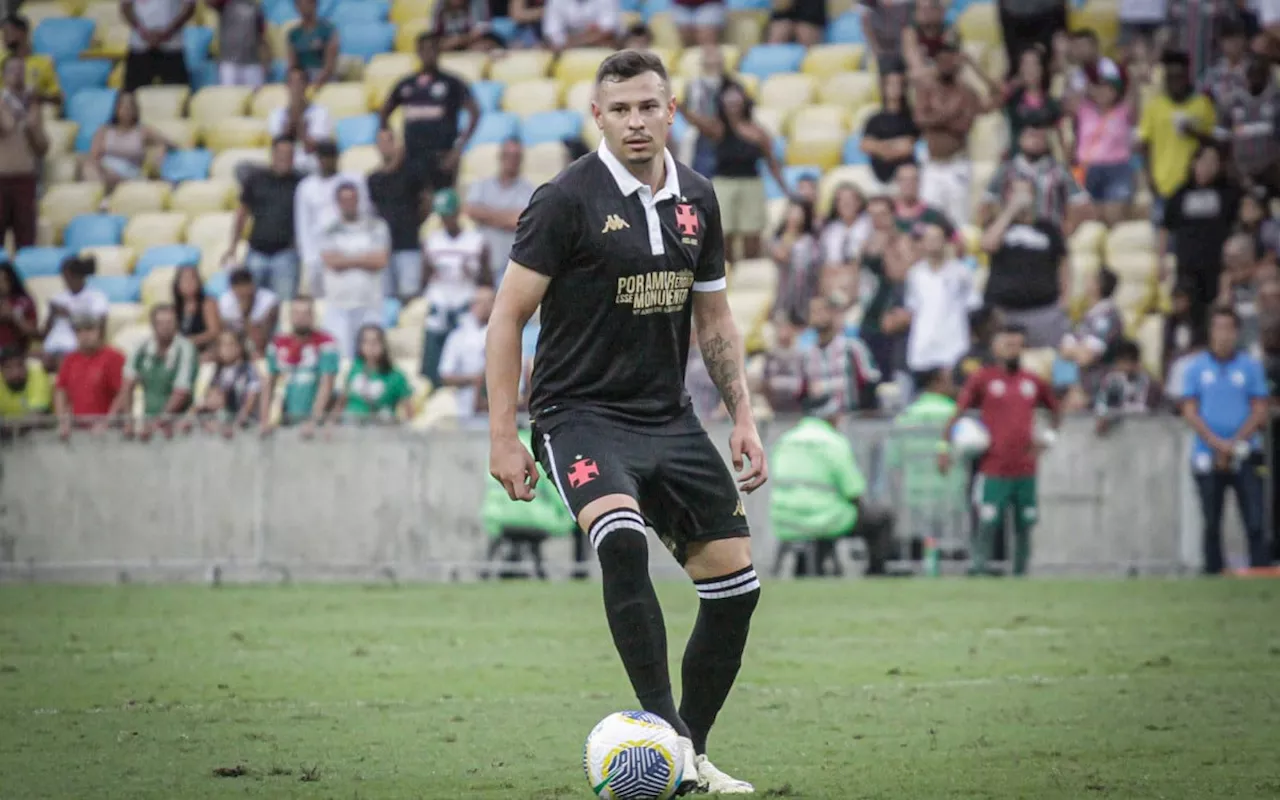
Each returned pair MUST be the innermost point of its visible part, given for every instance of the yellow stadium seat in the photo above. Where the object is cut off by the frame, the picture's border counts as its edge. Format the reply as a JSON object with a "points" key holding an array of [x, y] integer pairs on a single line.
{"points": [[403, 11], [468, 66], [1088, 238], [590, 133], [1150, 337], [751, 83], [235, 132], [121, 316], [1039, 359], [820, 117], [849, 89], [531, 97], [61, 134], [136, 197], [858, 122], [1134, 267], [112, 260], [61, 169], [1083, 267], [481, 161], [787, 91], [553, 156], [157, 287], [100, 11], [773, 120], [690, 62], [42, 290], [754, 274], [664, 30], [407, 34], [182, 132], [824, 60], [579, 64], [211, 230], [268, 99], [1128, 238], [383, 72], [669, 55], [989, 137], [129, 338], [745, 29], [64, 201], [214, 103], [149, 229], [199, 197], [342, 100], [816, 149], [111, 40], [161, 102], [1102, 18], [979, 23], [39, 12], [579, 96], [362, 159], [225, 163], [520, 65]]}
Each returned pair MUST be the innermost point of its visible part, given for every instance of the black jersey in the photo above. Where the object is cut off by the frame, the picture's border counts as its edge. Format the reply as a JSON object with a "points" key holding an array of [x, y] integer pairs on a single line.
{"points": [[623, 263], [431, 104]]}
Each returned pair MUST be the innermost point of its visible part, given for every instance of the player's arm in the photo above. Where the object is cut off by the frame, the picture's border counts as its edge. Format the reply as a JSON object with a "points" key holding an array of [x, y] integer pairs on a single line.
{"points": [[1050, 401], [970, 397]]}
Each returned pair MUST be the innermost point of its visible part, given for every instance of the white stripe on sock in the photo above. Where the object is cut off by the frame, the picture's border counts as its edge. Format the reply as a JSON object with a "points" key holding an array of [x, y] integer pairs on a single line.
{"points": [[598, 531], [745, 588], [726, 582]]}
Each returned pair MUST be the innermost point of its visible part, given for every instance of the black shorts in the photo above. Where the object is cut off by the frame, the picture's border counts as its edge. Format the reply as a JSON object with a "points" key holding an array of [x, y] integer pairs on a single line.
{"points": [[145, 67], [685, 491], [811, 12], [428, 170]]}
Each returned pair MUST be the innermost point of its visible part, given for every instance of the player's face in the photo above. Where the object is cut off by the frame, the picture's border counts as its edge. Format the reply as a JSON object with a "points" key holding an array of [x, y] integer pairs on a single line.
{"points": [[1007, 347], [165, 325], [908, 180], [89, 338], [303, 317], [282, 156], [1223, 335], [933, 241], [635, 115], [349, 203]]}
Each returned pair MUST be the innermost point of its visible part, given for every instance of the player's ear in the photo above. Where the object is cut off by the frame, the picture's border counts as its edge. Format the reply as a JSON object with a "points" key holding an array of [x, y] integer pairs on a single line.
{"points": [[595, 114], [672, 105]]}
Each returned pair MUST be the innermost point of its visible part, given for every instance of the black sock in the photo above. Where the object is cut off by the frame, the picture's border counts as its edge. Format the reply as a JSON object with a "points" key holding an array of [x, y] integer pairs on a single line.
{"points": [[714, 653], [635, 618]]}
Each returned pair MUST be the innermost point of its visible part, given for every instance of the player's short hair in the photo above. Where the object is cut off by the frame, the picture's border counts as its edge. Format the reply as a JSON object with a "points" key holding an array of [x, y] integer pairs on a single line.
{"points": [[1086, 34], [910, 162], [425, 36], [627, 64], [1221, 310], [283, 140], [1014, 329], [18, 21], [12, 354], [303, 299], [1107, 282], [926, 378], [1127, 350], [1175, 58], [345, 186], [240, 277]]}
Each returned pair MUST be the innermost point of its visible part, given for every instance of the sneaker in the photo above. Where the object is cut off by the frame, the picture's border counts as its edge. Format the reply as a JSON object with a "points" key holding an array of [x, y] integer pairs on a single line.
{"points": [[689, 780], [714, 781]]}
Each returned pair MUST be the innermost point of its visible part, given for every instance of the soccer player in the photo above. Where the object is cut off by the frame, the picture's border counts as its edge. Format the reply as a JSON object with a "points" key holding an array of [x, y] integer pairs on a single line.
{"points": [[621, 250], [1007, 397]]}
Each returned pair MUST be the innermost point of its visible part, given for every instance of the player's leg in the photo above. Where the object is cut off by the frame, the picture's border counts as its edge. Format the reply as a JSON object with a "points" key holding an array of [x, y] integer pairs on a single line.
{"points": [[993, 501], [1026, 515]]}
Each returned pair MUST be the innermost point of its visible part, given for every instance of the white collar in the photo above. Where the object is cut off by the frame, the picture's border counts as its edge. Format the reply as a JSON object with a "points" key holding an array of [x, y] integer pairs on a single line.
{"points": [[629, 184]]}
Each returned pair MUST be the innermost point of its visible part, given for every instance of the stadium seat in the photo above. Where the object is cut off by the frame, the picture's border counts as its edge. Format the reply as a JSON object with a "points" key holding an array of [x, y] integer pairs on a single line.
{"points": [[1130, 237], [408, 10], [470, 67], [41, 262], [554, 155], [196, 42], [154, 228], [182, 132], [342, 100], [134, 197], [74, 76], [62, 136], [62, 39], [89, 109], [531, 97], [578, 97], [550, 126], [824, 60], [488, 95], [383, 72], [517, 66], [1137, 267], [157, 285], [768, 59], [231, 133], [480, 161], [215, 103], [579, 64], [118, 288], [112, 39], [773, 120], [61, 168], [852, 153], [350, 11], [1089, 237], [111, 259], [161, 102], [979, 23], [356, 131], [267, 99], [364, 40], [846, 29], [495, 128], [171, 255], [689, 63], [128, 338], [186, 165], [362, 159], [218, 283], [859, 175], [200, 196], [226, 162], [211, 230], [754, 274], [64, 202], [92, 230], [851, 89], [988, 137], [787, 91]]}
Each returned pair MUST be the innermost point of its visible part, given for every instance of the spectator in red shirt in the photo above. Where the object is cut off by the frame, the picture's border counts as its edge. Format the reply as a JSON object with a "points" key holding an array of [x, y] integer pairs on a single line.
{"points": [[18, 324], [90, 377]]}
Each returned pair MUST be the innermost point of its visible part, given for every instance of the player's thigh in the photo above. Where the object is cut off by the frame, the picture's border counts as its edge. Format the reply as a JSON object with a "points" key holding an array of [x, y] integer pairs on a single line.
{"points": [[1025, 502], [693, 500], [993, 496], [592, 465]]}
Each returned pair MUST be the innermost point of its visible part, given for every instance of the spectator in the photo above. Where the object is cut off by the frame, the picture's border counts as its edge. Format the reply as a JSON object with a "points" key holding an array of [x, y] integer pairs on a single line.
{"points": [[18, 315], [1030, 279], [315, 209], [268, 198], [306, 123], [1238, 287], [638, 37], [249, 310], [702, 99], [1140, 24], [700, 22], [197, 312], [1031, 25], [313, 45], [164, 367], [397, 198], [1254, 220], [1249, 118], [1193, 27], [1092, 345], [25, 392], [119, 148], [1224, 398], [911, 210], [936, 503], [846, 228], [23, 143], [796, 253], [307, 360], [456, 264], [376, 388], [940, 293], [882, 275], [800, 21], [155, 42], [78, 300], [741, 143], [783, 380], [244, 52], [432, 100], [581, 23], [1227, 76], [1027, 100], [527, 14], [231, 400], [462, 362], [926, 37], [1125, 389], [1181, 339], [41, 76], [355, 250], [494, 205], [1197, 221], [945, 109], [89, 379], [1089, 66], [463, 25], [1057, 196], [890, 135], [1105, 117], [838, 364], [1173, 126], [883, 22]]}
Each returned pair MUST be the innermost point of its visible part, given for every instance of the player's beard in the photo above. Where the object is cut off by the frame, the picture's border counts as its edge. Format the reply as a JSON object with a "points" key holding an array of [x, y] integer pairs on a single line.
{"points": [[1012, 364]]}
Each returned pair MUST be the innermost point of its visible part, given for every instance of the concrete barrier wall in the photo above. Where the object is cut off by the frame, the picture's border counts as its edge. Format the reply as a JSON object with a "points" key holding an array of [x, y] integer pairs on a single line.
{"points": [[398, 504]]}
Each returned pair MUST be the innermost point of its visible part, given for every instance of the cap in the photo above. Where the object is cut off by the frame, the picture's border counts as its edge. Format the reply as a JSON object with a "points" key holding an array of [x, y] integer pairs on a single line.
{"points": [[326, 148], [445, 202]]}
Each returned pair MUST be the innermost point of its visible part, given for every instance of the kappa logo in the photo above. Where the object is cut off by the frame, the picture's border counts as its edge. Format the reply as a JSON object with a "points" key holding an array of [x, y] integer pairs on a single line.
{"points": [[739, 511], [582, 472], [613, 222]]}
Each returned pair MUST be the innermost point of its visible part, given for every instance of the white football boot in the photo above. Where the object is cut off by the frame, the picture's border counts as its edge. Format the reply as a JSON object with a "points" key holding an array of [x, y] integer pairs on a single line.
{"points": [[690, 782], [712, 781]]}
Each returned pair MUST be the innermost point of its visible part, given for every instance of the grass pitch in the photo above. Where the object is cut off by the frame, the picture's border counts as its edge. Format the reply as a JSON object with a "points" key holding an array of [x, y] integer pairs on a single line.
{"points": [[896, 689]]}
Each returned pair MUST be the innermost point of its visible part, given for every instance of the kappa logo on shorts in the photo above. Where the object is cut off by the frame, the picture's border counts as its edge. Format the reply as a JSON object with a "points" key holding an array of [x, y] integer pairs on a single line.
{"points": [[613, 222], [739, 511], [582, 472]]}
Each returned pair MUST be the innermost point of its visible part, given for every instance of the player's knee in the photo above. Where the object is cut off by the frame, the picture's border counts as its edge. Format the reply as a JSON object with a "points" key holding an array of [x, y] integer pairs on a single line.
{"points": [[718, 557]]}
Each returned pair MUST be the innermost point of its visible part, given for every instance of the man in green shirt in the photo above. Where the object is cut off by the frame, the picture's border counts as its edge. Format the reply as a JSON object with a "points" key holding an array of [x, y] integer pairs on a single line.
{"points": [[165, 368], [935, 502], [817, 495], [307, 361]]}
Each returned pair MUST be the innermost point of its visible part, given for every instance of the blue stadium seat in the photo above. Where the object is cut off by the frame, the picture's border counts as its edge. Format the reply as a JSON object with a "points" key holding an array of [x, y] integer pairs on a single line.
{"points": [[62, 37], [90, 109], [390, 312], [206, 74], [846, 29], [764, 60], [355, 131], [167, 255], [279, 71], [652, 7], [551, 126], [503, 27], [41, 262], [488, 95], [496, 127], [632, 6], [365, 40], [186, 165], [280, 13], [196, 41], [76, 75], [118, 288], [772, 191], [750, 5], [93, 230], [218, 284], [352, 11], [853, 151]]}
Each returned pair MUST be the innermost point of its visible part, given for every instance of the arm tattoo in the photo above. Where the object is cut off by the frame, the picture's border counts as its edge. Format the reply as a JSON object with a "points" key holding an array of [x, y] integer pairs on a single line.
{"points": [[721, 357]]}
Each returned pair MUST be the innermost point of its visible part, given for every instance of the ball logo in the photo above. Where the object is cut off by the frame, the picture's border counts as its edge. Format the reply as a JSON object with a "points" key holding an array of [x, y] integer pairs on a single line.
{"points": [[1027, 388], [997, 388]]}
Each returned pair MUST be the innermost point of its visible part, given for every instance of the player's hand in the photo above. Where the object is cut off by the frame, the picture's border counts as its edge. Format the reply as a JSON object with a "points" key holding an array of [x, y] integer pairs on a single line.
{"points": [[744, 443], [512, 465], [944, 462]]}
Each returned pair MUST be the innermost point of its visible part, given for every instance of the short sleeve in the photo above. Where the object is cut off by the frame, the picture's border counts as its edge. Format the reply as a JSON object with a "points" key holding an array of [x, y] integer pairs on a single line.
{"points": [[709, 275], [996, 184], [1256, 380], [381, 235], [1190, 382], [273, 358], [1147, 124], [547, 231], [328, 358], [450, 357], [131, 365]]}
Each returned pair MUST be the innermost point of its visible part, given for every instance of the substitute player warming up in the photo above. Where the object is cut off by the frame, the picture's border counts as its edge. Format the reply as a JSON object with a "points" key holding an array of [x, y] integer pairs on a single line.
{"points": [[1007, 396], [621, 250]]}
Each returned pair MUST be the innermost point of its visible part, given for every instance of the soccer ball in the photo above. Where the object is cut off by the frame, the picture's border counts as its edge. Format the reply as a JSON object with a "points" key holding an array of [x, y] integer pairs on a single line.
{"points": [[633, 755], [970, 437]]}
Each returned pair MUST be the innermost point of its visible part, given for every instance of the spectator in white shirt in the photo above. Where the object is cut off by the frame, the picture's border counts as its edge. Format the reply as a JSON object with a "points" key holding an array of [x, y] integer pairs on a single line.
{"points": [[940, 293], [77, 302], [315, 208], [581, 23], [249, 310], [462, 363], [495, 204], [456, 264], [301, 120], [355, 250]]}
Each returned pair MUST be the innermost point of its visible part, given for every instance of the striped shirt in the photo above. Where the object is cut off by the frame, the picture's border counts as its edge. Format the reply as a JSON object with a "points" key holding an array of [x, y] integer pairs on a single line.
{"points": [[1193, 27], [843, 368], [1251, 120], [1223, 80], [1056, 187]]}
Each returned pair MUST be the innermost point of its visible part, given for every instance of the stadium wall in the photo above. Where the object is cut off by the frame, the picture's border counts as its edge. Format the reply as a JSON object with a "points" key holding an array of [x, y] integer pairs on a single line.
{"points": [[388, 504]]}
